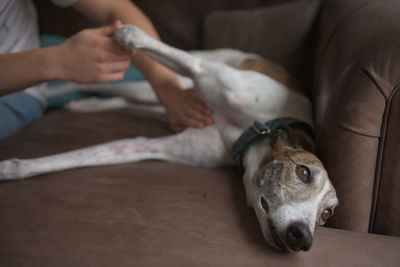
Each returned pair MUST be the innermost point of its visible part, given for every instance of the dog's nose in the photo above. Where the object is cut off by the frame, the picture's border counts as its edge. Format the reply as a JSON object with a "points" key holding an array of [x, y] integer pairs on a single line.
{"points": [[298, 237]]}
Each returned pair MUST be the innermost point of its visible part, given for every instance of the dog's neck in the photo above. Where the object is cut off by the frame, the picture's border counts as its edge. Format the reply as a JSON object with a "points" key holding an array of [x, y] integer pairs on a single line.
{"points": [[261, 151]]}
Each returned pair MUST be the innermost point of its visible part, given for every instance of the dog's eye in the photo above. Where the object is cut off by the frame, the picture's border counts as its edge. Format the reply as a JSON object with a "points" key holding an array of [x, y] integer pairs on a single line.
{"points": [[264, 204], [303, 173], [326, 214]]}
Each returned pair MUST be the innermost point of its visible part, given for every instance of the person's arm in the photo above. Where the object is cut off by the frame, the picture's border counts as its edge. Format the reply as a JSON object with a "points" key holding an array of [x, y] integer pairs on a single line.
{"points": [[25, 69], [91, 56], [184, 108]]}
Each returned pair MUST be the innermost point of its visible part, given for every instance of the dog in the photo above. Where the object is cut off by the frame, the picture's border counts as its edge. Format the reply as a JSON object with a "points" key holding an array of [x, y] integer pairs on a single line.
{"points": [[261, 119]]}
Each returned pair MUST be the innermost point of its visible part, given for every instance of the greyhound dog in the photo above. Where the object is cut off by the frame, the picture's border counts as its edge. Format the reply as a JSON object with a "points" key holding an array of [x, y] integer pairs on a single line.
{"points": [[257, 118]]}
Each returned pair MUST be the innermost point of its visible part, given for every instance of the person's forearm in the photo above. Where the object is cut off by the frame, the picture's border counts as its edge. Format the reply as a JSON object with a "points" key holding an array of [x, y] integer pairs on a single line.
{"points": [[184, 108], [158, 75], [25, 69], [108, 11]]}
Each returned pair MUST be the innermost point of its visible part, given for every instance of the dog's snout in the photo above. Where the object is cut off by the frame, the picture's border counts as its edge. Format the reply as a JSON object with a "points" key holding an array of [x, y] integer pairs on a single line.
{"points": [[298, 237]]}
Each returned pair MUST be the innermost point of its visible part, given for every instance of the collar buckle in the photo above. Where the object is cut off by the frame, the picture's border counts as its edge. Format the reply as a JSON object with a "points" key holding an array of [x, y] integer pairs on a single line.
{"points": [[260, 128]]}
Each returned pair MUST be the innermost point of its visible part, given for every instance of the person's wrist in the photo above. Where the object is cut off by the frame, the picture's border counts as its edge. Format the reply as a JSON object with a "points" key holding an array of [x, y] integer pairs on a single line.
{"points": [[164, 80], [52, 63], [164, 89], [160, 77]]}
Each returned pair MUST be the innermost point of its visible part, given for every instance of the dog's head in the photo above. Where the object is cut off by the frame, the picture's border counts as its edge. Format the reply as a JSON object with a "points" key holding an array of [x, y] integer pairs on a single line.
{"points": [[293, 193]]}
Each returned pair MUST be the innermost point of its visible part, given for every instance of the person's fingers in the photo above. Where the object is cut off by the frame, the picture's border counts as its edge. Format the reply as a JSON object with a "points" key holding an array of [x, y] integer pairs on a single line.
{"points": [[201, 118], [107, 42], [111, 77], [107, 57], [198, 104], [193, 95], [115, 26], [191, 121], [109, 30], [117, 66], [196, 114], [119, 58], [113, 47], [106, 31], [201, 108]]}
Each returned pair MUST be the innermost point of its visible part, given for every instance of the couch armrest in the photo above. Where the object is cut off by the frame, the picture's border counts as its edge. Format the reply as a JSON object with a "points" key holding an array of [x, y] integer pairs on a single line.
{"points": [[357, 105]]}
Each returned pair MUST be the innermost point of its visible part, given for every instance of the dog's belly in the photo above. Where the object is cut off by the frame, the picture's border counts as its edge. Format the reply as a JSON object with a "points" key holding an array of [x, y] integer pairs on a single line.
{"points": [[241, 97]]}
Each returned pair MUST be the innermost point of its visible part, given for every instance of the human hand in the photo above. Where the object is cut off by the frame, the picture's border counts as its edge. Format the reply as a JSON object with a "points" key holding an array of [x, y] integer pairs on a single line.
{"points": [[184, 108], [92, 56]]}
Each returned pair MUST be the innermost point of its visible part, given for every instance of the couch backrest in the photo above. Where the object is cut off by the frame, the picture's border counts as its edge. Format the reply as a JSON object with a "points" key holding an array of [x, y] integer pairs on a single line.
{"points": [[179, 22], [280, 30]]}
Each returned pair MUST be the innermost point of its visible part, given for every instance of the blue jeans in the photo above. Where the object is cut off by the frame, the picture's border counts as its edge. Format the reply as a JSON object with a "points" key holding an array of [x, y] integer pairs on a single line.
{"points": [[17, 110]]}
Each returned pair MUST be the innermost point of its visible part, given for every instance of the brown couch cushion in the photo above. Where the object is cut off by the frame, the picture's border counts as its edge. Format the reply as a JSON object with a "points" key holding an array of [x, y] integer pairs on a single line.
{"points": [[144, 214], [281, 33]]}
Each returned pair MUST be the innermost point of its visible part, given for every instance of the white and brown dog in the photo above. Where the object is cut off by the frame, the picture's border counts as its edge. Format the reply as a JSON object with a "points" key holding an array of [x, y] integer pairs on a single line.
{"points": [[286, 184]]}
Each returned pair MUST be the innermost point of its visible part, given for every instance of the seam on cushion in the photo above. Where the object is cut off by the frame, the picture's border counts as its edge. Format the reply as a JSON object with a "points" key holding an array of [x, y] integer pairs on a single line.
{"points": [[366, 72], [379, 160], [330, 38], [350, 129]]}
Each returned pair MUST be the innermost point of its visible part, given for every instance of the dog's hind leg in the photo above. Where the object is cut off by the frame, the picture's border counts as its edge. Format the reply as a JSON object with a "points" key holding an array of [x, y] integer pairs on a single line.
{"points": [[230, 57], [132, 37], [191, 147], [212, 79]]}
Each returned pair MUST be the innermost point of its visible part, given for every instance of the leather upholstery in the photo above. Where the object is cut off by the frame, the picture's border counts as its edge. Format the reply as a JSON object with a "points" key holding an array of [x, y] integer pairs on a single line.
{"points": [[356, 81], [159, 214], [148, 213]]}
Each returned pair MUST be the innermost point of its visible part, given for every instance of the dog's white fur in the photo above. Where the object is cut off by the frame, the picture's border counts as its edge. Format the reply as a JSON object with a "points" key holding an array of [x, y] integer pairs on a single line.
{"points": [[237, 98]]}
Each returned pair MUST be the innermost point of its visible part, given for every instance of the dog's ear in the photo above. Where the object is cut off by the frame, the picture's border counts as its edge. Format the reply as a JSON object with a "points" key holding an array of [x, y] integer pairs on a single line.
{"points": [[293, 138], [283, 137], [304, 140]]}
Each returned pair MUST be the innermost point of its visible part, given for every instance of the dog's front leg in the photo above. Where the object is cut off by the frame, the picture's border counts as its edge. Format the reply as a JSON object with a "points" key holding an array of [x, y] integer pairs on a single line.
{"points": [[120, 151], [191, 147]]}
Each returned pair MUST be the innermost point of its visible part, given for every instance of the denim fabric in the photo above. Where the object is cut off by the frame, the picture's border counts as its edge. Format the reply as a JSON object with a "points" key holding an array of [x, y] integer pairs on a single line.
{"points": [[18, 110]]}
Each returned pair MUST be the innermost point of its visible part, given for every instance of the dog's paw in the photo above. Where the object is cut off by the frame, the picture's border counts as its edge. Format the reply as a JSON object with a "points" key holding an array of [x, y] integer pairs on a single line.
{"points": [[130, 37], [10, 169]]}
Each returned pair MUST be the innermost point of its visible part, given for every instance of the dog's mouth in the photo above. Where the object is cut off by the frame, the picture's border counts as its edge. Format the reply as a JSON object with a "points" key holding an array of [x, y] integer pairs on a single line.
{"points": [[275, 237]]}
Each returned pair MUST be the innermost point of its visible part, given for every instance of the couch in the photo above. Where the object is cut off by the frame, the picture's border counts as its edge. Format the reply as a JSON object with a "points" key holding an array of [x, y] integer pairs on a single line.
{"points": [[344, 53]]}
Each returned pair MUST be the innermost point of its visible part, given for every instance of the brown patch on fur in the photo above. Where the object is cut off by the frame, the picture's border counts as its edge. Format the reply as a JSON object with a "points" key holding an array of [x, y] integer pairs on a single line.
{"points": [[305, 157], [272, 70], [295, 190], [274, 154]]}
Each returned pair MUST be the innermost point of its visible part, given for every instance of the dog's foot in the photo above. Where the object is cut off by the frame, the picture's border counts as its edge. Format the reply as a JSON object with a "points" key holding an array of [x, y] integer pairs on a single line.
{"points": [[131, 37], [94, 104], [10, 170]]}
